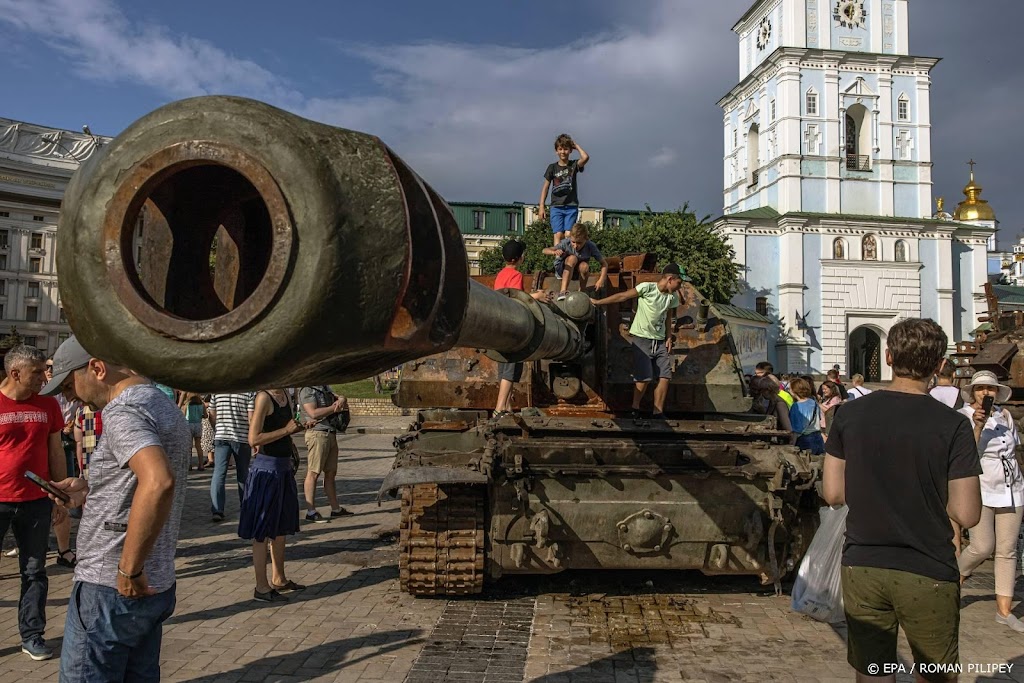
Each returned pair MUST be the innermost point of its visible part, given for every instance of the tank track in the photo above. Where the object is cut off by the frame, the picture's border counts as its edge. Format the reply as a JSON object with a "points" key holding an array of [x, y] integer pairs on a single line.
{"points": [[441, 545]]}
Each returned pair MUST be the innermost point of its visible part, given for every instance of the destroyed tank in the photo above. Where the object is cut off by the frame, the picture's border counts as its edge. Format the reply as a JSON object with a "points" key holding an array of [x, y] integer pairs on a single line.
{"points": [[222, 244], [996, 347]]}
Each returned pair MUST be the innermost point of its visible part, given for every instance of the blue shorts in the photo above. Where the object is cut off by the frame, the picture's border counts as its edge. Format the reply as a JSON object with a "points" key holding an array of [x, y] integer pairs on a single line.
{"points": [[563, 218]]}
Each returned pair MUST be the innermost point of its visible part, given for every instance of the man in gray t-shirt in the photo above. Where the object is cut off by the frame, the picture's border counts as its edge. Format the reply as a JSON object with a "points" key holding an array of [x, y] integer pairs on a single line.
{"points": [[320, 403], [129, 529]]}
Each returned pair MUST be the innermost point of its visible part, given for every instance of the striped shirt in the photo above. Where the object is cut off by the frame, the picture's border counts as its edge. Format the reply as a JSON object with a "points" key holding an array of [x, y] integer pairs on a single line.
{"points": [[231, 413]]}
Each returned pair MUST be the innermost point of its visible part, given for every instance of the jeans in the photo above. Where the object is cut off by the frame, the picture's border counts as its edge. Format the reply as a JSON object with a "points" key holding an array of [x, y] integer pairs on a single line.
{"points": [[222, 452], [563, 218], [31, 525], [108, 637]]}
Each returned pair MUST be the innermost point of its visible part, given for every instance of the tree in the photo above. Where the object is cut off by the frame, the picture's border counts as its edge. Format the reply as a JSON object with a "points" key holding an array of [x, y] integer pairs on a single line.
{"points": [[537, 237], [674, 236]]}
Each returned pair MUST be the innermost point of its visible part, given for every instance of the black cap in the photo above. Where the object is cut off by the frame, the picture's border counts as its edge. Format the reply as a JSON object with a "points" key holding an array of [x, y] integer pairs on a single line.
{"points": [[674, 269], [512, 250]]}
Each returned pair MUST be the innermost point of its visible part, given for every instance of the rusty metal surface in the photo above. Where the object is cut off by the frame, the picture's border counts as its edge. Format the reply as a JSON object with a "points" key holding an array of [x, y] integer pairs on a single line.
{"points": [[441, 549], [706, 374]]}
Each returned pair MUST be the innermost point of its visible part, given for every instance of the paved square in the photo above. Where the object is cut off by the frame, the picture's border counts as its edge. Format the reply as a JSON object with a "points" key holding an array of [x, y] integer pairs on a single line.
{"points": [[353, 624]]}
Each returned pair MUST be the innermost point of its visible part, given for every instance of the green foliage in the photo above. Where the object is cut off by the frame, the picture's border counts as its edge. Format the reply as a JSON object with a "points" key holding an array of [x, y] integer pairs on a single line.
{"points": [[674, 236], [537, 237]]}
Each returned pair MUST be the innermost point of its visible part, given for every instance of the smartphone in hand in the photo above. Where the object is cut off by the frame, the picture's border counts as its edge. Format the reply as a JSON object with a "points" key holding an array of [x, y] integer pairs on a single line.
{"points": [[987, 403], [47, 486]]}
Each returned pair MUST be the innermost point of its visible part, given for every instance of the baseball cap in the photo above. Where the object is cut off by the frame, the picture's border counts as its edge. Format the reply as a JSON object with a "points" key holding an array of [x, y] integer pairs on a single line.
{"points": [[674, 269], [70, 356], [512, 250]]}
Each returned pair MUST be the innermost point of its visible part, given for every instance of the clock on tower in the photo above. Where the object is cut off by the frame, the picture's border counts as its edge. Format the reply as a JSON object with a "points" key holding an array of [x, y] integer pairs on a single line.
{"points": [[850, 13]]}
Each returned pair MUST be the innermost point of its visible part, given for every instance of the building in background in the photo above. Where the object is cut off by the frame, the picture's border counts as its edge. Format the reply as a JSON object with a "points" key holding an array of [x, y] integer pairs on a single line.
{"points": [[36, 164], [485, 226], [827, 186]]}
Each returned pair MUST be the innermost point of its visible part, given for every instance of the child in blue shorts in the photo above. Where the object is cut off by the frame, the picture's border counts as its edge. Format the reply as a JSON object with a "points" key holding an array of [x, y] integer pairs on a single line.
{"points": [[560, 177]]}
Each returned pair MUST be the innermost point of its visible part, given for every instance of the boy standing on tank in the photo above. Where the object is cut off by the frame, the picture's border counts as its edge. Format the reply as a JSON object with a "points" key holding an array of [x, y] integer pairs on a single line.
{"points": [[560, 178], [651, 334], [509, 277]]}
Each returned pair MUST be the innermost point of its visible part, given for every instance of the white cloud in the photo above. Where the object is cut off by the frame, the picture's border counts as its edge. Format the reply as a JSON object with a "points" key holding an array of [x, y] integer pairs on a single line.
{"points": [[477, 121], [666, 156]]}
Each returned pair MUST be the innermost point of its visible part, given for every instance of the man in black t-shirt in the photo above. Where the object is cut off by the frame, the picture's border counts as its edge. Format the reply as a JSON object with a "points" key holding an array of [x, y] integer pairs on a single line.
{"points": [[905, 465]]}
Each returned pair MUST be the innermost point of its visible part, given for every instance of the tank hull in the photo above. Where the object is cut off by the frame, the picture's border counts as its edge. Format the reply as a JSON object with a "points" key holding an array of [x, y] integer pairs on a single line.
{"points": [[555, 493]]}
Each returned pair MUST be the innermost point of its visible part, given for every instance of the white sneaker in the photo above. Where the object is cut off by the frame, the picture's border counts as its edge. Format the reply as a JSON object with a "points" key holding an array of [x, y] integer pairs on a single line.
{"points": [[1011, 621], [13, 552]]}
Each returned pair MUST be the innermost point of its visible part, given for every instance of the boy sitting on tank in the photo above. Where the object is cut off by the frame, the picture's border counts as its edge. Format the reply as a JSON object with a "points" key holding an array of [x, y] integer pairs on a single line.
{"points": [[509, 277], [650, 332], [572, 256]]}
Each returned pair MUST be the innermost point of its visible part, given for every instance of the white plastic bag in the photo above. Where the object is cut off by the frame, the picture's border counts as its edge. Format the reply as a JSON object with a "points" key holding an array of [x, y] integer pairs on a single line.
{"points": [[818, 591]]}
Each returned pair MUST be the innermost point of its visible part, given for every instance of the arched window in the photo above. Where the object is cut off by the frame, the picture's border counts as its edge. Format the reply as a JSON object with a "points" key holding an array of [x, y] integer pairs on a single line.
{"points": [[901, 251], [858, 138], [811, 104], [839, 249], [753, 153], [869, 250]]}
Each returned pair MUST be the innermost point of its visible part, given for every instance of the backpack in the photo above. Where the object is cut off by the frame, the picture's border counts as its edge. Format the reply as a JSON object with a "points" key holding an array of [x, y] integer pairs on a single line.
{"points": [[337, 421]]}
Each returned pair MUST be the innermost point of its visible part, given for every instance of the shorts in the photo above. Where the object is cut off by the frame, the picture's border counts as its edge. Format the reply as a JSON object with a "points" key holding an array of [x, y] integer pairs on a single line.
{"points": [[560, 268], [563, 218], [513, 372], [196, 428], [878, 602], [322, 451], [650, 359]]}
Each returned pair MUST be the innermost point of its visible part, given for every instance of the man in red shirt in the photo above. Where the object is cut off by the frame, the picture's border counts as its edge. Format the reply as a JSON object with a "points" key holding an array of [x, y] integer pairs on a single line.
{"points": [[509, 277], [30, 427]]}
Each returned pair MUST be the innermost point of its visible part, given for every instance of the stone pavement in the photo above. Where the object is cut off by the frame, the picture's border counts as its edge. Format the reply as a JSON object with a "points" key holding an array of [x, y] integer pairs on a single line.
{"points": [[353, 624]]}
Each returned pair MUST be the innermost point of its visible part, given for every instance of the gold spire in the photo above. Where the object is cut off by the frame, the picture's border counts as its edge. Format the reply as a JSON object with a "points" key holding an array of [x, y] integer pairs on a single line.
{"points": [[973, 208], [940, 211]]}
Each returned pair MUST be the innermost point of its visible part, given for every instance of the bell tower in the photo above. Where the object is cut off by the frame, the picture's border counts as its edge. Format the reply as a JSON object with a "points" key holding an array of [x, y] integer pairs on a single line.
{"points": [[831, 113]]}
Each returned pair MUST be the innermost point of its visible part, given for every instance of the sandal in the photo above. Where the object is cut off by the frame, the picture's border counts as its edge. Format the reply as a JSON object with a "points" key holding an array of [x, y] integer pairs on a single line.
{"points": [[64, 562]]}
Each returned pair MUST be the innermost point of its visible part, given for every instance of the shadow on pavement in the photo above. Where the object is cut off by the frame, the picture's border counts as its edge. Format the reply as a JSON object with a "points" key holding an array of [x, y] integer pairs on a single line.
{"points": [[360, 577], [636, 665], [315, 662]]}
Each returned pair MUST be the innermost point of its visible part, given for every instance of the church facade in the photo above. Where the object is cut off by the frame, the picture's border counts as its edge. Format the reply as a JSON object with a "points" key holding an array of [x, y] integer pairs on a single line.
{"points": [[827, 187]]}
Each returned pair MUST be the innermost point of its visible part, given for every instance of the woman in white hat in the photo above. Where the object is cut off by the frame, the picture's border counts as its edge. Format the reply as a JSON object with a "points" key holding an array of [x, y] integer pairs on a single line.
{"points": [[1002, 491]]}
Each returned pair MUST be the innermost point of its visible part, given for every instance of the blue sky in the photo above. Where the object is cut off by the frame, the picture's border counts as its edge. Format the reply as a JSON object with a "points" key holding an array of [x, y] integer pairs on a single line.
{"points": [[472, 94]]}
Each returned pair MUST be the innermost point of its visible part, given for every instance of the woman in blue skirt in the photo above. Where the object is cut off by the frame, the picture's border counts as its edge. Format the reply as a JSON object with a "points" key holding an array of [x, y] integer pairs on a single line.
{"points": [[270, 506]]}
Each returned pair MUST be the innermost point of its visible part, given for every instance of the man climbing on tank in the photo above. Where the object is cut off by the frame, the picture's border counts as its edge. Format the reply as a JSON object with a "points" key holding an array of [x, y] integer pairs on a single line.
{"points": [[650, 332]]}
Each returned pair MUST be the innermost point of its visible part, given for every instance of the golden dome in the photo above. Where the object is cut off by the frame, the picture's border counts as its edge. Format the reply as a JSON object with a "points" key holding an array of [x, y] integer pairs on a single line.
{"points": [[973, 208]]}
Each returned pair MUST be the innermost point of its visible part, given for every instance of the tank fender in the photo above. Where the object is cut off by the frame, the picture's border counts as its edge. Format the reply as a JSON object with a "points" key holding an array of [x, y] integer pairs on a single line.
{"points": [[409, 476]]}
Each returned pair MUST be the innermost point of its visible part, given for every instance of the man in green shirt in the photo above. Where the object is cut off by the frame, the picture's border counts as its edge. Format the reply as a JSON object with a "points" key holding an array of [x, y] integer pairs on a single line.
{"points": [[652, 342]]}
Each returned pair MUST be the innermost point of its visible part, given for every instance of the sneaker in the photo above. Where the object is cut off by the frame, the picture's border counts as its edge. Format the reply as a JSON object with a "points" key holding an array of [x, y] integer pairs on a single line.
{"points": [[218, 517], [13, 552], [341, 512], [315, 517], [1011, 621], [561, 296], [36, 649], [501, 414], [270, 596], [635, 414]]}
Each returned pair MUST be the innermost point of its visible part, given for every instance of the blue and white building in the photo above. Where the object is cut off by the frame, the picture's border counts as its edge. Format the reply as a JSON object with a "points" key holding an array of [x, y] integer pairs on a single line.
{"points": [[828, 185]]}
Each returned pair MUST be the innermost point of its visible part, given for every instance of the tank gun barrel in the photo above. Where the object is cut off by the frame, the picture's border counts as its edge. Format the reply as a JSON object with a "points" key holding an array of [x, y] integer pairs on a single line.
{"points": [[220, 243]]}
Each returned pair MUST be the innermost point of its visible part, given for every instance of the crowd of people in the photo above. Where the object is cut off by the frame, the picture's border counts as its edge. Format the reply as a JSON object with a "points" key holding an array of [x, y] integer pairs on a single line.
{"points": [[916, 463], [128, 489]]}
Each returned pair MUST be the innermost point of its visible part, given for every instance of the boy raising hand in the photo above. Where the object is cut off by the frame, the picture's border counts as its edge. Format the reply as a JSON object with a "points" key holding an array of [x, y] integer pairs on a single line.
{"points": [[560, 178]]}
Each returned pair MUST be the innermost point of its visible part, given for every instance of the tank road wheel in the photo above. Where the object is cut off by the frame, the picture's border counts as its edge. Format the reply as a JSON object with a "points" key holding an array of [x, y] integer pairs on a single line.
{"points": [[442, 539]]}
